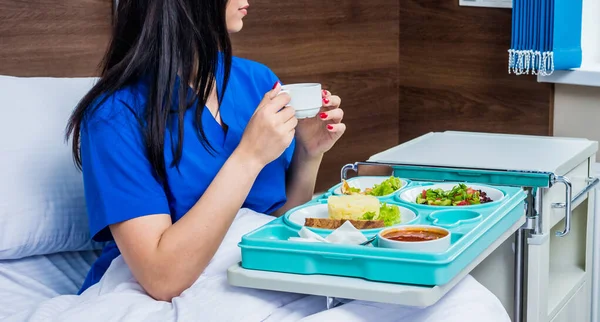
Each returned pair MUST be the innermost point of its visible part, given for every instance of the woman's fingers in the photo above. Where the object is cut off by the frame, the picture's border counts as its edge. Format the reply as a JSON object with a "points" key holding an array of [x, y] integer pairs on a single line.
{"points": [[330, 101], [290, 125], [275, 91], [338, 128], [273, 100], [335, 115], [285, 114]]}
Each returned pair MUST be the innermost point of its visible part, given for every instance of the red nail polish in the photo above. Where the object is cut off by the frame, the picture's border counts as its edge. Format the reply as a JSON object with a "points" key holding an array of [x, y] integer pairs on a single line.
{"points": [[329, 127], [325, 100], [323, 115], [277, 82], [324, 93]]}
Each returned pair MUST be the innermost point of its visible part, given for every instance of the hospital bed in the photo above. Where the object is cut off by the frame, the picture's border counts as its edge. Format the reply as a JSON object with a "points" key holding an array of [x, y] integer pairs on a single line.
{"points": [[45, 249]]}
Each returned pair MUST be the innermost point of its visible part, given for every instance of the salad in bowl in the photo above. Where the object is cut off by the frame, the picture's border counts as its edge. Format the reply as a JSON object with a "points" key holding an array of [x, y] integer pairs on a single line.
{"points": [[451, 195], [370, 186]]}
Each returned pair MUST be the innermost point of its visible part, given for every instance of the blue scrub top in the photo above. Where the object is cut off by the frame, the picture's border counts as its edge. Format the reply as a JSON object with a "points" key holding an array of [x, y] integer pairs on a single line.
{"points": [[118, 178]]}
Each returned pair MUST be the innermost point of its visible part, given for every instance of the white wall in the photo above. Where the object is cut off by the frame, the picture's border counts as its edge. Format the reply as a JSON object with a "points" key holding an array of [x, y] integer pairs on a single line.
{"points": [[577, 112]]}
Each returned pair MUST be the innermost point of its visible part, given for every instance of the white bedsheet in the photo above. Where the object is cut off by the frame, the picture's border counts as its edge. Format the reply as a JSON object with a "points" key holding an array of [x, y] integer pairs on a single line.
{"points": [[118, 297], [26, 282]]}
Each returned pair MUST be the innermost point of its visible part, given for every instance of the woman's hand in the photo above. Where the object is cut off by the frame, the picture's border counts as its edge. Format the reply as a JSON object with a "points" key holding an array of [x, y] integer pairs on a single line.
{"points": [[318, 135], [314, 137], [271, 129]]}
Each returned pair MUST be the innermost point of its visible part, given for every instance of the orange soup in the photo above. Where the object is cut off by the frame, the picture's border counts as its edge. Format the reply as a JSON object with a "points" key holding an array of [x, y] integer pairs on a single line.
{"points": [[415, 234]]}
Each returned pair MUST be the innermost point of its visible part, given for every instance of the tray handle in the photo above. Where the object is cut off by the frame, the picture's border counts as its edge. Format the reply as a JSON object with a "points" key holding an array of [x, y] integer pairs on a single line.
{"points": [[346, 168], [570, 200], [566, 205], [354, 167]]}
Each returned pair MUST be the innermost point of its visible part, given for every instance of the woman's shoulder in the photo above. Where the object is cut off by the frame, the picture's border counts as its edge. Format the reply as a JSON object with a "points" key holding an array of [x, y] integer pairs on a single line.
{"points": [[126, 104], [255, 71], [115, 121], [249, 65]]}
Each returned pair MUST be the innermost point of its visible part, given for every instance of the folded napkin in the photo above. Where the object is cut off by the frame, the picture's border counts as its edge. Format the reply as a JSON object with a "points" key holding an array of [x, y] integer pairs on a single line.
{"points": [[346, 234]]}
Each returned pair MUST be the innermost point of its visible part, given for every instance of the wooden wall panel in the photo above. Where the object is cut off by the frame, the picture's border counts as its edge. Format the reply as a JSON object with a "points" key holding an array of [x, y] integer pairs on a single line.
{"points": [[59, 38], [349, 46], [453, 73], [402, 68]]}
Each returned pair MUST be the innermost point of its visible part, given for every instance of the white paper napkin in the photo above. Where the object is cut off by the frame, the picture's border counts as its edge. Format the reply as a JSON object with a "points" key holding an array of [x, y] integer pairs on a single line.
{"points": [[346, 234]]}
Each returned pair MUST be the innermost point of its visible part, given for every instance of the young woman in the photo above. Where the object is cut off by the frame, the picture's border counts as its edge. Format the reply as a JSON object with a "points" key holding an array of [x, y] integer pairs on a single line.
{"points": [[177, 136]]}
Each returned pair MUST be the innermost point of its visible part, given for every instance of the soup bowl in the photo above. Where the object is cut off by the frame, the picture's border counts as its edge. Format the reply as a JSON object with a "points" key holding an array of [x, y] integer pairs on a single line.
{"points": [[421, 238]]}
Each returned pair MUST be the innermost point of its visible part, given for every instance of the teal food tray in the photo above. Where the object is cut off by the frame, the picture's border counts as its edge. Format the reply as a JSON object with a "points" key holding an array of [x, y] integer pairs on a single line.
{"points": [[473, 229]]}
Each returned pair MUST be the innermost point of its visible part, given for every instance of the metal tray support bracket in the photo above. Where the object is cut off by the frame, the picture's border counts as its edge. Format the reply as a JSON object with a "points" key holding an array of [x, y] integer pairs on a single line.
{"points": [[570, 200], [533, 223]]}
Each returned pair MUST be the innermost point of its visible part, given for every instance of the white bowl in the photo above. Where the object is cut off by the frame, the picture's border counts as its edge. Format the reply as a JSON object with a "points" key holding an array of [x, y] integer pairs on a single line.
{"points": [[410, 195], [430, 246], [365, 182]]}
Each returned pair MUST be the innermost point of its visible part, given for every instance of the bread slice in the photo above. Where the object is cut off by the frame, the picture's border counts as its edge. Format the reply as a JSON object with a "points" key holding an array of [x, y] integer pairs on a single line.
{"points": [[327, 223]]}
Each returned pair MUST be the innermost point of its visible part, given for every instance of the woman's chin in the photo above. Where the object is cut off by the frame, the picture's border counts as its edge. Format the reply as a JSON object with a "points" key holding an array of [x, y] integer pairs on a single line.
{"points": [[235, 27]]}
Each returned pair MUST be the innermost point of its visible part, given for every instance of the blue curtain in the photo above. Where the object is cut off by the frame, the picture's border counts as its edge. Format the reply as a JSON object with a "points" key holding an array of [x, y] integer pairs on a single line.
{"points": [[546, 36]]}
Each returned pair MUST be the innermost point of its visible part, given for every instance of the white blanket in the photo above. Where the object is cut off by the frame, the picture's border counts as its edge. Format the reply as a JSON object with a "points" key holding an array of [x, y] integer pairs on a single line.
{"points": [[118, 297]]}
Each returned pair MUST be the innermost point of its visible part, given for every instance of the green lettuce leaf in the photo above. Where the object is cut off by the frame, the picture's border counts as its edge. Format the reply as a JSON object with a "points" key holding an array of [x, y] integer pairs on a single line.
{"points": [[354, 190], [368, 216], [389, 214], [386, 187]]}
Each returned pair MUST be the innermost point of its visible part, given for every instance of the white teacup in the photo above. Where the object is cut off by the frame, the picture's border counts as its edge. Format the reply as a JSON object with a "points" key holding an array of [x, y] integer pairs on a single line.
{"points": [[306, 98]]}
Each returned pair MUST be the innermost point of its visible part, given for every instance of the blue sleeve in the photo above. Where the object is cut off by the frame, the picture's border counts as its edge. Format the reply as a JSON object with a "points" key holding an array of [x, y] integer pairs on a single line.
{"points": [[118, 178], [259, 75]]}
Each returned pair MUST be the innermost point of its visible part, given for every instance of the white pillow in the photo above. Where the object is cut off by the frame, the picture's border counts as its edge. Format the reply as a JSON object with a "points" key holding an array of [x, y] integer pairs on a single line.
{"points": [[42, 205]]}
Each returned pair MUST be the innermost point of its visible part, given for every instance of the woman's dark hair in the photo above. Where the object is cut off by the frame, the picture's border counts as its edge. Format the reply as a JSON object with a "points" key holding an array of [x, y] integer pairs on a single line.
{"points": [[161, 40]]}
